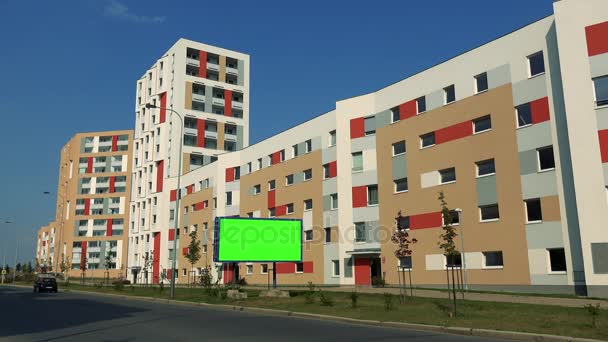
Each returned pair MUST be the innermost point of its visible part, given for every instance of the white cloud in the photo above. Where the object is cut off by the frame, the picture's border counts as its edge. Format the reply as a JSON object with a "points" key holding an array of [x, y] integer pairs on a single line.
{"points": [[119, 10]]}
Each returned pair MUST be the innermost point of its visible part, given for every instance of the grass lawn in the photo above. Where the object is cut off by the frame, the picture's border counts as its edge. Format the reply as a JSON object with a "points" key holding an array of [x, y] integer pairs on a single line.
{"points": [[555, 320]]}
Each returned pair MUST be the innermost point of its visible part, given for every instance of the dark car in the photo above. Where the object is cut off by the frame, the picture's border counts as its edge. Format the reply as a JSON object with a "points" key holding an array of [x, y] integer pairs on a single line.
{"points": [[45, 283]]}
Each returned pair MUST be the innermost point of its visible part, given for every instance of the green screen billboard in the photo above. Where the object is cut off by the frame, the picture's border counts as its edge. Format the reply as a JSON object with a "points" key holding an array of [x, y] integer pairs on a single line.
{"points": [[239, 239]]}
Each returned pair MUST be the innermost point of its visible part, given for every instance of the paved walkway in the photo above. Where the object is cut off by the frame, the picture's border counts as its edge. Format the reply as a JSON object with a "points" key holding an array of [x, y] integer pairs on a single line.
{"points": [[486, 297]]}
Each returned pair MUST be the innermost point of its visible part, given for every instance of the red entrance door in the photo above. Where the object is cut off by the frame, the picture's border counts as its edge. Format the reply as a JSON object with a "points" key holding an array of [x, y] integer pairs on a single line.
{"points": [[228, 273], [362, 271]]}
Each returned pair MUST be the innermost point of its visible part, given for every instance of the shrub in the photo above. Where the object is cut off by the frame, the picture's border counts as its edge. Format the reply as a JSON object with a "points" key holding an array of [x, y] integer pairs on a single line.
{"points": [[310, 294], [388, 301], [223, 294], [98, 285], [354, 297], [118, 286], [594, 311], [325, 299]]}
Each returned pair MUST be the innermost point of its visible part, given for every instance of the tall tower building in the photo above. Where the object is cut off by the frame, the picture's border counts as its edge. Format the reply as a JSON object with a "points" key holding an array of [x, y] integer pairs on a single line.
{"points": [[209, 89]]}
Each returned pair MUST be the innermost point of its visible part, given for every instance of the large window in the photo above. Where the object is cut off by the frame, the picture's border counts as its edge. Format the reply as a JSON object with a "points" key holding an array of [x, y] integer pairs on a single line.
{"points": [[229, 198], [326, 171], [481, 82], [398, 148], [449, 94], [372, 195], [536, 64], [332, 138], [533, 210], [271, 185], [360, 232], [447, 175], [545, 158], [327, 235], [189, 140], [600, 85], [289, 179], [489, 213], [493, 259], [308, 174], [405, 262], [334, 201], [557, 260], [308, 204], [427, 140], [357, 161]]}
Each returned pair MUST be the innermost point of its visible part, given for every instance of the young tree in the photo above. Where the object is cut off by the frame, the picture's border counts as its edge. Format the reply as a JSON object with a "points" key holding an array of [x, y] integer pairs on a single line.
{"points": [[147, 264], [83, 267], [447, 243], [194, 251], [401, 237], [64, 266], [108, 263], [18, 267]]}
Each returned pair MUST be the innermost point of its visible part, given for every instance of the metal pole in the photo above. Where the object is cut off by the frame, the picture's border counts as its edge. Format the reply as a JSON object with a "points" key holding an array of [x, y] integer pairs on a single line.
{"points": [[15, 266], [464, 260], [274, 275]]}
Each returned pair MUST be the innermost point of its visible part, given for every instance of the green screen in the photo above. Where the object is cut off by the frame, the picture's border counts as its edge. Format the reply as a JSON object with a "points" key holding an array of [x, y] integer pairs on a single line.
{"points": [[243, 239]]}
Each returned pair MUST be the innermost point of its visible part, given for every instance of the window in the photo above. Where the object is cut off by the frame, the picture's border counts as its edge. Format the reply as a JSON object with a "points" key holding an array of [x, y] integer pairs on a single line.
{"points": [[557, 260], [249, 169], [264, 268], [449, 94], [399, 148], [357, 161], [271, 212], [249, 269], [454, 260], [332, 138], [360, 232], [290, 208], [308, 235], [271, 185], [334, 201], [335, 266], [493, 259], [308, 174], [482, 124], [533, 210], [259, 163], [600, 85], [400, 185], [545, 158], [485, 168], [257, 189], [184, 271], [427, 140], [372, 195], [395, 115], [370, 125], [229, 198], [405, 262], [489, 212], [421, 104], [237, 173], [294, 151], [403, 223], [299, 267], [289, 179], [536, 64], [326, 171], [327, 235], [524, 115], [447, 175], [189, 140], [308, 204], [481, 83], [308, 146]]}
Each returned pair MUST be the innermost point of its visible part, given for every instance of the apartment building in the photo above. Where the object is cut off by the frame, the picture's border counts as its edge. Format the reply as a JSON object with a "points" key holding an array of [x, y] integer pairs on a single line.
{"points": [[513, 132], [196, 96], [93, 197]]}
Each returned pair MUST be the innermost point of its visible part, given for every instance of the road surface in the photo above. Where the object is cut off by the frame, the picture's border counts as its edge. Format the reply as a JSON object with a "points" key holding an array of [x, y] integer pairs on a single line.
{"points": [[26, 316]]}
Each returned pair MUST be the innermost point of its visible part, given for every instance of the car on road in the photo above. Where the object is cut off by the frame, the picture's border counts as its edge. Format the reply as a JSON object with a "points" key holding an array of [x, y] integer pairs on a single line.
{"points": [[45, 282]]}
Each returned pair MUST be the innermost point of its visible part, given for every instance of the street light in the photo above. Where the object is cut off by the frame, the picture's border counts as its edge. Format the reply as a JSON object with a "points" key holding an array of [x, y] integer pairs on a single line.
{"points": [[179, 195], [464, 262]]}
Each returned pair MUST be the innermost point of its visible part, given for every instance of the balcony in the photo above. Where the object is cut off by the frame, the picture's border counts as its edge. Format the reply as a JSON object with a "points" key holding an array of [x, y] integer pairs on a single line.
{"points": [[232, 71], [213, 65], [237, 105], [192, 61], [218, 102], [198, 97]]}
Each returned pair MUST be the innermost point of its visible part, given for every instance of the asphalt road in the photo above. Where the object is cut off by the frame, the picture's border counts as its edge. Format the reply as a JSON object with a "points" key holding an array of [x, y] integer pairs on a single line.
{"points": [[26, 316]]}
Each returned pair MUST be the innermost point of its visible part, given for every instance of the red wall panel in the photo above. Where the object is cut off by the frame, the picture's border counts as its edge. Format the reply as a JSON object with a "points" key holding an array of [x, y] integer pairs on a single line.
{"points": [[357, 128], [227, 102], [603, 136], [276, 158], [362, 271], [407, 110], [87, 206], [597, 38], [540, 110], [90, 165], [112, 184], [228, 273], [83, 252], [200, 133], [308, 266], [173, 195], [115, 143], [272, 199], [190, 189], [171, 234], [333, 169], [184, 250], [427, 220], [109, 223], [457, 131], [285, 267], [229, 174], [156, 259], [359, 196], [160, 169], [199, 206], [202, 68], [280, 210], [163, 104]]}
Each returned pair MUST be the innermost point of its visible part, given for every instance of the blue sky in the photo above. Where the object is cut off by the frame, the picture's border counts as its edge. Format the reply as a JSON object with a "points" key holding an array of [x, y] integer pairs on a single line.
{"points": [[70, 66]]}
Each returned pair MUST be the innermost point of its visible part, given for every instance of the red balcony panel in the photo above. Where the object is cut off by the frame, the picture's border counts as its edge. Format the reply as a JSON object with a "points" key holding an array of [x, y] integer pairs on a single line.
{"points": [[90, 165], [427, 220], [115, 143], [603, 136], [109, 223], [87, 206], [190, 189], [112, 184], [597, 39], [407, 110], [285, 267], [359, 196], [275, 158], [540, 110], [308, 266], [202, 68], [171, 234], [200, 133], [160, 169], [333, 169], [271, 199], [229, 174], [457, 131], [173, 195], [162, 110], [281, 210], [156, 259], [357, 128], [227, 102]]}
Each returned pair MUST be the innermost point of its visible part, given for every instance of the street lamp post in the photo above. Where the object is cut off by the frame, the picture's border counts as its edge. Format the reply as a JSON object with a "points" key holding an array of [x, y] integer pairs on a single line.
{"points": [[179, 195], [464, 262]]}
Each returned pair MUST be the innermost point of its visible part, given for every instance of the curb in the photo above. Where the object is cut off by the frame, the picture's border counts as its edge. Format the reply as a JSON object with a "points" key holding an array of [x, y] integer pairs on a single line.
{"points": [[511, 335]]}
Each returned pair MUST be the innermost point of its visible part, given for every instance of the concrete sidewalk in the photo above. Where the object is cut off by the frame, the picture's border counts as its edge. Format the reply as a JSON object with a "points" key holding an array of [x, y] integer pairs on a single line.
{"points": [[486, 297]]}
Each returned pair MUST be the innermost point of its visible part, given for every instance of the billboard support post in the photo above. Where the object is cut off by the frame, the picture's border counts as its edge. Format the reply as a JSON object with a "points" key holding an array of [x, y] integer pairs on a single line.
{"points": [[274, 275]]}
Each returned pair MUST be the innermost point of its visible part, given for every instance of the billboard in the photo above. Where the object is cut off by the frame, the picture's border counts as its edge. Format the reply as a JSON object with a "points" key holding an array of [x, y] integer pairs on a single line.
{"points": [[246, 239]]}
